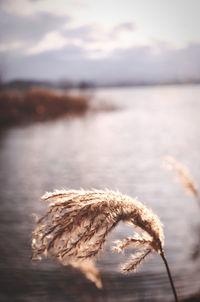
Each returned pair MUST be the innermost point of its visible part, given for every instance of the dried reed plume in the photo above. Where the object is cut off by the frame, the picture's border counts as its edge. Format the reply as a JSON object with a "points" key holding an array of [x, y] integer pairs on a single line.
{"points": [[184, 176], [76, 226]]}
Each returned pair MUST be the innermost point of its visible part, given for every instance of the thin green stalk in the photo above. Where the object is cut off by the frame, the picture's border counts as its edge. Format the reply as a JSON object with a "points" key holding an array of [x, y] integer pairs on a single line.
{"points": [[169, 275]]}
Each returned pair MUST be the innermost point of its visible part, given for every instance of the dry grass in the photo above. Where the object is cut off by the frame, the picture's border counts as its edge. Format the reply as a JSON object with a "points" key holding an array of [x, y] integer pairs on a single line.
{"points": [[183, 176], [76, 226], [38, 104]]}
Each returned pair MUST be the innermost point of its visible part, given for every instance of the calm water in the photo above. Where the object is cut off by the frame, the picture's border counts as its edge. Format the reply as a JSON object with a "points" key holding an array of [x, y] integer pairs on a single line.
{"points": [[121, 149]]}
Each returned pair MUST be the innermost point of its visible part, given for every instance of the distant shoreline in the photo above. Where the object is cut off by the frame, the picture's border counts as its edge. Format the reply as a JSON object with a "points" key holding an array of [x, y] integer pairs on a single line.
{"points": [[86, 85]]}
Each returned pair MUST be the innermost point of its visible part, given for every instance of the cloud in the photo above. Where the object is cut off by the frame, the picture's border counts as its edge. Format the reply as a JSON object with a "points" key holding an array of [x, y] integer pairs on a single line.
{"points": [[53, 64], [143, 64], [48, 45], [30, 29], [86, 32], [99, 41], [52, 40], [139, 63], [126, 26]]}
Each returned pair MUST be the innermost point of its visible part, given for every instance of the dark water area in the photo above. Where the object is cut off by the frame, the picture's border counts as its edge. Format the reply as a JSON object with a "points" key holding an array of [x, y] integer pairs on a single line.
{"points": [[119, 150]]}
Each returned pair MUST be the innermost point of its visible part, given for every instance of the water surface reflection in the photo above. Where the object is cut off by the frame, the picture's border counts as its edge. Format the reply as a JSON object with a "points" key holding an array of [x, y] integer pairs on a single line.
{"points": [[122, 150]]}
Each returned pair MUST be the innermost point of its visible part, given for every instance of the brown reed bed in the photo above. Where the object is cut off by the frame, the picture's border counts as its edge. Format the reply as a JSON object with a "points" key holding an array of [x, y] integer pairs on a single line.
{"points": [[18, 107], [75, 228]]}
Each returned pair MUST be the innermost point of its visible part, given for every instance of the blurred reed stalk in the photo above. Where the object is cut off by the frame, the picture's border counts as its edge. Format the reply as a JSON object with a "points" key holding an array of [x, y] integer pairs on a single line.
{"points": [[184, 176], [76, 226]]}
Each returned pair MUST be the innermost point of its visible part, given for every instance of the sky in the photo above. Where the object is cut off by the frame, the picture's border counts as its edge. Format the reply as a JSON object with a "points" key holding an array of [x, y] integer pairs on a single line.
{"points": [[98, 40]]}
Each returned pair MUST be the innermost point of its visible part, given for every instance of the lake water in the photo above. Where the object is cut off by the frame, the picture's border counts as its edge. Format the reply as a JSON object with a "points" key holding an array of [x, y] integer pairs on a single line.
{"points": [[121, 150]]}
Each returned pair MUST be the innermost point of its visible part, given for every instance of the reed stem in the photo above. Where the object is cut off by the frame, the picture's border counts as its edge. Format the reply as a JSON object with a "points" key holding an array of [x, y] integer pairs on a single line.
{"points": [[169, 275], [198, 199]]}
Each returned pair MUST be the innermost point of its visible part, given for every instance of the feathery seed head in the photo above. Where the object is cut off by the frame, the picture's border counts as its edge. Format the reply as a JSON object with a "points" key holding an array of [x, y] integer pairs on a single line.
{"points": [[183, 174], [77, 223]]}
